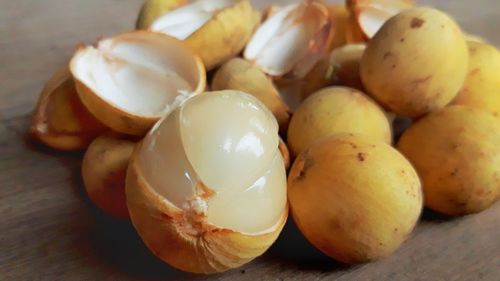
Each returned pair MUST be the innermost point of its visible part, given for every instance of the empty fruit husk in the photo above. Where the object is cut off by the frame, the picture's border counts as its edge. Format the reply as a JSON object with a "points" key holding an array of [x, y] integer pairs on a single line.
{"points": [[368, 16], [153, 9], [60, 120], [216, 29], [291, 40], [130, 81]]}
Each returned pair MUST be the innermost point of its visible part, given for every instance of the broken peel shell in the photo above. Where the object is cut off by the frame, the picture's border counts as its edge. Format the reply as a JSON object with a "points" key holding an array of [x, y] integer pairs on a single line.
{"points": [[130, 81], [153, 9], [181, 212], [218, 29], [239, 74], [104, 169], [368, 16], [292, 40], [60, 120], [226, 35]]}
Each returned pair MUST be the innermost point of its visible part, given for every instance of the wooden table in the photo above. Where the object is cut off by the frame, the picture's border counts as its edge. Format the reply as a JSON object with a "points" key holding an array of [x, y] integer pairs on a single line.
{"points": [[50, 231]]}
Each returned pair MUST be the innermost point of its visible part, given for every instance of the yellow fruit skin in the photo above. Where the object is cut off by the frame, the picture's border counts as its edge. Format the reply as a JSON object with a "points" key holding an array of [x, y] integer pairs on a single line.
{"points": [[416, 63], [482, 85], [355, 200], [239, 74], [115, 117], [153, 9], [457, 155], [60, 120], [336, 110], [225, 35], [104, 170]]}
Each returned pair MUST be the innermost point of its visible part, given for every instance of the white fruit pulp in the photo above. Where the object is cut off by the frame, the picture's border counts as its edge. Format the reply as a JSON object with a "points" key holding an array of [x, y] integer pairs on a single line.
{"points": [[184, 21], [286, 38], [135, 75]]}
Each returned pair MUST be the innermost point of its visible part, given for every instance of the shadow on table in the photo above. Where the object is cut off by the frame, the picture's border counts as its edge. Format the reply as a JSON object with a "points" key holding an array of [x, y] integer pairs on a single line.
{"points": [[108, 242], [115, 242], [294, 250]]}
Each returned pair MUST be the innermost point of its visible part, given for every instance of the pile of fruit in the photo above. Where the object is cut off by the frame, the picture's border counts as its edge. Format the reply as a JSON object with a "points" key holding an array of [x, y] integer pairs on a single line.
{"points": [[202, 175]]}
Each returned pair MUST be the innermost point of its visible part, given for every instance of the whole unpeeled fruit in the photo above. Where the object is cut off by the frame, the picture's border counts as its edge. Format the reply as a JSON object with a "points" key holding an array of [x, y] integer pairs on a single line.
{"points": [[104, 170], [482, 85], [336, 110], [456, 152], [416, 63], [356, 200]]}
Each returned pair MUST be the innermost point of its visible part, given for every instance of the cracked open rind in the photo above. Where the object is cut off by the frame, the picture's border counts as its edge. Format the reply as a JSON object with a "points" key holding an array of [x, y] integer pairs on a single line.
{"points": [[153, 9], [188, 172], [60, 120], [215, 29], [128, 82], [368, 16], [291, 40]]}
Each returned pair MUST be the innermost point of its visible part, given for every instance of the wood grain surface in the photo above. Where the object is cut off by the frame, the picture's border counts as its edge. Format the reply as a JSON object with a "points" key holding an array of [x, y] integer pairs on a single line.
{"points": [[50, 231]]}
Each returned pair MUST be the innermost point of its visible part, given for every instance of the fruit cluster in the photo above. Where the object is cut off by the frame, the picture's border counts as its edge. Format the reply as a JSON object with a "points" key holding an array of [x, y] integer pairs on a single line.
{"points": [[202, 175]]}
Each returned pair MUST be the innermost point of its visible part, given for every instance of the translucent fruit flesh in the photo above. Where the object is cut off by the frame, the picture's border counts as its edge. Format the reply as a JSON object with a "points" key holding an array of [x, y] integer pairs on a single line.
{"points": [[212, 170]]}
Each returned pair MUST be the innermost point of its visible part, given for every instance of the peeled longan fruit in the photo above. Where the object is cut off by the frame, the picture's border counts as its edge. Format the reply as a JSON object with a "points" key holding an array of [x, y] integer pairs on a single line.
{"points": [[336, 110], [104, 170], [206, 188], [482, 85], [416, 63], [456, 152], [355, 199]]}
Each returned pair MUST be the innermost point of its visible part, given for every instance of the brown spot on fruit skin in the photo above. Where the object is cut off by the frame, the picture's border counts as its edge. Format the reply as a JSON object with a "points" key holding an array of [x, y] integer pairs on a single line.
{"points": [[361, 156], [387, 55], [416, 22]]}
